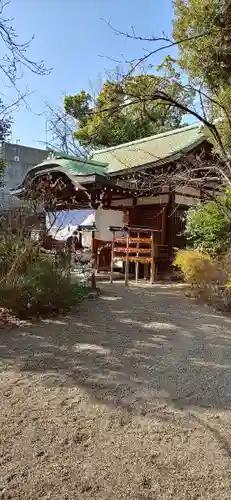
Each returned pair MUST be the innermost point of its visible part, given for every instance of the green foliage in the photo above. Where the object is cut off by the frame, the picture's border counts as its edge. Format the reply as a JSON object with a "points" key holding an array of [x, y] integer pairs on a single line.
{"points": [[220, 109], [125, 112], [16, 249], [31, 285], [208, 226], [207, 57], [42, 290]]}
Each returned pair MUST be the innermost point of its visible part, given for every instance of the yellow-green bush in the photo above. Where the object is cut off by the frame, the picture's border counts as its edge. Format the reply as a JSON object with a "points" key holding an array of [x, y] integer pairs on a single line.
{"points": [[198, 268], [208, 279]]}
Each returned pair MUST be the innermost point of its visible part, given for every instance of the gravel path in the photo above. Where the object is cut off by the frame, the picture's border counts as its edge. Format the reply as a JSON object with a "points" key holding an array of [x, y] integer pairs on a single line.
{"points": [[127, 399]]}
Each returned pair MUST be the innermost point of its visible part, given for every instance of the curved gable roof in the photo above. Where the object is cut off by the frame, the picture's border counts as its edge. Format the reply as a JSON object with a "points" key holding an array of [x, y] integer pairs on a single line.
{"points": [[73, 166], [151, 150], [75, 169]]}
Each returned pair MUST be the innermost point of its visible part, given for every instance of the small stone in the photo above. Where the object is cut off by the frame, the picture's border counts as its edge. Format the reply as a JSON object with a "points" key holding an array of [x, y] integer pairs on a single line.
{"points": [[40, 453]]}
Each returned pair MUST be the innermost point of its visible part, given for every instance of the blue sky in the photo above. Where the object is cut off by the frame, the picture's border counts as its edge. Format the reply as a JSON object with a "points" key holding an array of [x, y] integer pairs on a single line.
{"points": [[72, 38]]}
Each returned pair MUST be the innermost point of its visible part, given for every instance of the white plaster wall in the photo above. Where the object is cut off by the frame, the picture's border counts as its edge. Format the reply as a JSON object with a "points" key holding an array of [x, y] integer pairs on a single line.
{"points": [[106, 218]]}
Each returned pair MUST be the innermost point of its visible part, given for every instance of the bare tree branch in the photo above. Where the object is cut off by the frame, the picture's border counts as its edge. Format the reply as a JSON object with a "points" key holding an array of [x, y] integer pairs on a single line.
{"points": [[60, 130], [168, 43]]}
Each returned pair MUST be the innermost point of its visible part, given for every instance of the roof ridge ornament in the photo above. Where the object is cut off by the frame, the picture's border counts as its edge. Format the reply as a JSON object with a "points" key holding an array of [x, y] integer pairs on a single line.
{"points": [[51, 155]]}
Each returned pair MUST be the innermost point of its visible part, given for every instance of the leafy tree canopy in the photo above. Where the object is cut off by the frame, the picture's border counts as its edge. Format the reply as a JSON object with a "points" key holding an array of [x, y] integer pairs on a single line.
{"points": [[208, 225], [205, 57], [124, 112]]}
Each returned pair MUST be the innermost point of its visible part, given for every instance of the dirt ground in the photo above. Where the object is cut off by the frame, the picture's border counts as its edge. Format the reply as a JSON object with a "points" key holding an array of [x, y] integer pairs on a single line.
{"points": [[128, 398]]}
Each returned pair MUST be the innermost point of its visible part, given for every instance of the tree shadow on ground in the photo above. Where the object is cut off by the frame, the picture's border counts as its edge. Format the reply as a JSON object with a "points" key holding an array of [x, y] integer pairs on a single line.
{"points": [[138, 348]]}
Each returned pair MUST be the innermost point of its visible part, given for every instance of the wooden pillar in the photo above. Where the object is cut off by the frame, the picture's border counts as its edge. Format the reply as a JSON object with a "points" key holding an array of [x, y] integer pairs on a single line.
{"points": [[146, 271], [167, 221], [126, 217], [152, 268], [170, 225], [164, 228], [127, 259], [93, 277], [112, 256], [137, 262]]}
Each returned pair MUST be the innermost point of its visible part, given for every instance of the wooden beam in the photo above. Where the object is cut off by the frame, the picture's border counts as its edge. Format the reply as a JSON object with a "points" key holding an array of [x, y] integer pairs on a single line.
{"points": [[134, 250], [133, 240]]}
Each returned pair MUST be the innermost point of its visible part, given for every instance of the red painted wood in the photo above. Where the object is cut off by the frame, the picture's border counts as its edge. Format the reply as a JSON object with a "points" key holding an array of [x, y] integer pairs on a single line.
{"points": [[132, 250]]}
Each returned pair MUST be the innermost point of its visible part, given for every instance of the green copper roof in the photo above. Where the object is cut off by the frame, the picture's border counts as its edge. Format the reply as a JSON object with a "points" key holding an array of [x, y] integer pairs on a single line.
{"points": [[75, 167], [154, 149]]}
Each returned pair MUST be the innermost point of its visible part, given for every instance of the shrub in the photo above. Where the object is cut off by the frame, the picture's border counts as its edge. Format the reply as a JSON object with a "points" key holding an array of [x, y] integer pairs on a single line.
{"points": [[208, 279], [225, 290], [31, 285], [17, 254], [225, 264], [197, 268], [208, 226]]}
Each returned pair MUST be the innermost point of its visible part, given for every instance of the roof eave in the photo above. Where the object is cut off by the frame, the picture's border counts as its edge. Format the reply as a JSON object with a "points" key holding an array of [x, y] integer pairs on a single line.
{"points": [[83, 181], [158, 163]]}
